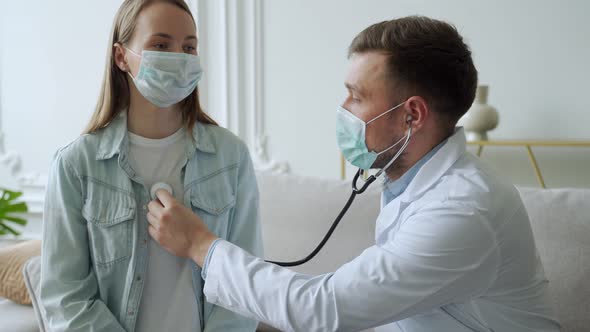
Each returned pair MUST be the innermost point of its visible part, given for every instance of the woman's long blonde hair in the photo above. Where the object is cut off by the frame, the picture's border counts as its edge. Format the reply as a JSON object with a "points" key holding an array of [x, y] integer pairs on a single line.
{"points": [[114, 93]]}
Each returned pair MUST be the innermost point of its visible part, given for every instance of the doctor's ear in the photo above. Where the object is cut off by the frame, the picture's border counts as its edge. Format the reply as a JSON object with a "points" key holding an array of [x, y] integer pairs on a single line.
{"points": [[417, 111]]}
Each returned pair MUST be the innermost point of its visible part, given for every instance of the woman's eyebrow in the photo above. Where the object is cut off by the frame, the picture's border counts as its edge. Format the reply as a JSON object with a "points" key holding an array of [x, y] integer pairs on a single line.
{"points": [[167, 36], [163, 35]]}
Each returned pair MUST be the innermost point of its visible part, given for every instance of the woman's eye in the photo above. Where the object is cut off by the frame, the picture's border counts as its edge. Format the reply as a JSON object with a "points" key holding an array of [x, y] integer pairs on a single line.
{"points": [[189, 49], [160, 46]]}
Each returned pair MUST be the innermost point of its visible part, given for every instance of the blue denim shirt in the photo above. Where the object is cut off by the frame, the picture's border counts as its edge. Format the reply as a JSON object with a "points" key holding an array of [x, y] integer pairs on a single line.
{"points": [[95, 228]]}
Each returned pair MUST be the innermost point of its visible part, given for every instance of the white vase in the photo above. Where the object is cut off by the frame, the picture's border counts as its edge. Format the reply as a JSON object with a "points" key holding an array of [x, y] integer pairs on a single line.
{"points": [[480, 118]]}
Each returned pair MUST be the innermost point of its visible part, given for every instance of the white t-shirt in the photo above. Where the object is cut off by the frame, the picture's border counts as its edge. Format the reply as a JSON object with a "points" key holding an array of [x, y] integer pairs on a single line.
{"points": [[168, 301]]}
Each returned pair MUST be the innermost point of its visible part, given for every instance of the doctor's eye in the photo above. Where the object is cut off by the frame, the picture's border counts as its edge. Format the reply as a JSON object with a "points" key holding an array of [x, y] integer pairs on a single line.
{"points": [[355, 100]]}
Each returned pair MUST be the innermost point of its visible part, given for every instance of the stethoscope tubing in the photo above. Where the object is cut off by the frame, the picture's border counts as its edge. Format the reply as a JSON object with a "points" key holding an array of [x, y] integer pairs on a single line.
{"points": [[355, 191]]}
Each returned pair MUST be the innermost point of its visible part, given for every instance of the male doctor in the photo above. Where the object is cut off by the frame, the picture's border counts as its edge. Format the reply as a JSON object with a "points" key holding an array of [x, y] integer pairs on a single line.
{"points": [[453, 247]]}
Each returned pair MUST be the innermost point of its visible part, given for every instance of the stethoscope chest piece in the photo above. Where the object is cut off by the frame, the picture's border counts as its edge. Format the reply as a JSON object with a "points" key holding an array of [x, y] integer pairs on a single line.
{"points": [[366, 185], [157, 186]]}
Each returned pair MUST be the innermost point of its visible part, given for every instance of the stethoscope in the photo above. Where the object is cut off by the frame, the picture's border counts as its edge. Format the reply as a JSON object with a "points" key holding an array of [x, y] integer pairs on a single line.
{"points": [[355, 191]]}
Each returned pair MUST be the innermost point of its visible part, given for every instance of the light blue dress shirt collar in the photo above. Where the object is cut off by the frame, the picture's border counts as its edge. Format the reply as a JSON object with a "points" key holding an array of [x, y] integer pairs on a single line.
{"points": [[392, 189]]}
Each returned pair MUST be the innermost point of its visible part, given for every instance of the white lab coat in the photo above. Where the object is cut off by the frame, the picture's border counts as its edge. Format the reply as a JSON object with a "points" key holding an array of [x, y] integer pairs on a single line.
{"points": [[454, 252]]}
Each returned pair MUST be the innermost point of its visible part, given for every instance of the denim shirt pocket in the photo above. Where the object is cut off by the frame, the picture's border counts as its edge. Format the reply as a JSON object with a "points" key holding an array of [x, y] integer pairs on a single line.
{"points": [[110, 214], [212, 201]]}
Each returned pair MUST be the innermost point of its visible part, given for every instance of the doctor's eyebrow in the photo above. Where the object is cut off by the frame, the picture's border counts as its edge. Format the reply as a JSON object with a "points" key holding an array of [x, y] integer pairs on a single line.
{"points": [[354, 88]]}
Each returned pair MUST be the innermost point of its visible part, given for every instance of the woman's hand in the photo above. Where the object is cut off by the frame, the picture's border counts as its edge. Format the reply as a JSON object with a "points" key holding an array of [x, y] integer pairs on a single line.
{"points": [[177, 229]]}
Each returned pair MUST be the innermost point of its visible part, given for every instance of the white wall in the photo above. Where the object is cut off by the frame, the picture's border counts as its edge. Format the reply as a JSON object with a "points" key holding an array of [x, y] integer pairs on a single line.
{"points": [[53, 56], [51, 73], [533, 54], [51, 63]]}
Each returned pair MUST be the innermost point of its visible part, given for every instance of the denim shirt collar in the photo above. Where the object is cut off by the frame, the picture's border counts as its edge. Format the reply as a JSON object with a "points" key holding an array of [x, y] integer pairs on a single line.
{"points": [[114, 139], [392, 189]]}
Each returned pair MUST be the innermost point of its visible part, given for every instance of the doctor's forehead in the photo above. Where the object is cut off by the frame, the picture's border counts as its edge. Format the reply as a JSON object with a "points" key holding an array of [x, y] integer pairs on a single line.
{"points": [[366, 70]]}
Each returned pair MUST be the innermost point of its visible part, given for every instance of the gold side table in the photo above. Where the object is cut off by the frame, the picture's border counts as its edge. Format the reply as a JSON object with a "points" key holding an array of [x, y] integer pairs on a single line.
{"points": [[528, 146]]}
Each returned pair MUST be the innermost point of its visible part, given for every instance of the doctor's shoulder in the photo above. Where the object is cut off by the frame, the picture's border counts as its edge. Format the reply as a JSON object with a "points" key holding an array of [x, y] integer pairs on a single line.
{"points": [[473, 184]]}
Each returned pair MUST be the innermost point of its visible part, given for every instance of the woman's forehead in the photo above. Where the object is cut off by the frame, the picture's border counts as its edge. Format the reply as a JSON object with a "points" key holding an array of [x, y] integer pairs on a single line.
{"points": [[165, 18]]}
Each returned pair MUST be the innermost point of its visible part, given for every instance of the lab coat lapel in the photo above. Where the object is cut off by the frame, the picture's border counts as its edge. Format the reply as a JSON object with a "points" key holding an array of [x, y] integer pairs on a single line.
{"points": [[437, 166], [430, 172]]}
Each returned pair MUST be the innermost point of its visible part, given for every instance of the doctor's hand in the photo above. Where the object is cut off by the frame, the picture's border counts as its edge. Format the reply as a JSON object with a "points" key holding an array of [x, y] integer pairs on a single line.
{"points": [[177, 229]]}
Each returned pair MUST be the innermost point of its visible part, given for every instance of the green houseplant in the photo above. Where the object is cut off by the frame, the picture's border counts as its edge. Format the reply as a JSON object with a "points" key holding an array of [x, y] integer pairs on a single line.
{"points": [[8, 207]]}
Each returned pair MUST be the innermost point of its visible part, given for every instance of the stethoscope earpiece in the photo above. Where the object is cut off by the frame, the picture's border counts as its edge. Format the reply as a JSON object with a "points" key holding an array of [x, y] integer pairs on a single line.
{"points": [[157, 186]]}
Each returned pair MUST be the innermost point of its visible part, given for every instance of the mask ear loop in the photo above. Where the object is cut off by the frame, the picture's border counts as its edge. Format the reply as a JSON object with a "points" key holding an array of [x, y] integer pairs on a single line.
{"points": [[133, 52], [372, 178], [388, 111], [137, 55], [401, 150]]}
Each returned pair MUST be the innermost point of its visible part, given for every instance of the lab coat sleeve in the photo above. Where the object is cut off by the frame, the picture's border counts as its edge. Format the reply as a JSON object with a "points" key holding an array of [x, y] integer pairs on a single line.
{"points": [[245, 232], [69, 289], [438, 256]]}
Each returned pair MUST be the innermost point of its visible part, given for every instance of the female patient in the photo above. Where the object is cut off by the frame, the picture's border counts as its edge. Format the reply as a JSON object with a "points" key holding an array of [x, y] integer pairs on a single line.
{"points": [[101, 271]]}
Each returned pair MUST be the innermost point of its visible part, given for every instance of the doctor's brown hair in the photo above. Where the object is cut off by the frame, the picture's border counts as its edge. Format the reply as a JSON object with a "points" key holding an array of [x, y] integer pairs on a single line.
{"points": [[114, 94], [427, 57]]}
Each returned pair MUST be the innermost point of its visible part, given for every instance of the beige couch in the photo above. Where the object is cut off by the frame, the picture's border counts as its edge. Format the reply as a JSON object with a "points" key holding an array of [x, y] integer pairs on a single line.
{"points": [[297, 211]]}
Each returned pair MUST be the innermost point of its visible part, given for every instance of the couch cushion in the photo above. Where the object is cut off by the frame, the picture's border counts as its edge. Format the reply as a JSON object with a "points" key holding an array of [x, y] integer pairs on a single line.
{"points": [[12, 260], [560, 219], [297, 211], [16, 317]]}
